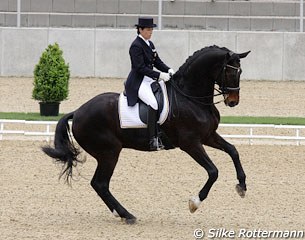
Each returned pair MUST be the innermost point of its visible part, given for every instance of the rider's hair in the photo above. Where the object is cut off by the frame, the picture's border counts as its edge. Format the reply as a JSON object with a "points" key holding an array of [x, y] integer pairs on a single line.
{"points": [[138, 29]]}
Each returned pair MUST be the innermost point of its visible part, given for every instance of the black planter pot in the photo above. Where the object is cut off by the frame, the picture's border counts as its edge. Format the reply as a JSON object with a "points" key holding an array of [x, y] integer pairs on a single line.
{"points": [[49, 109]]}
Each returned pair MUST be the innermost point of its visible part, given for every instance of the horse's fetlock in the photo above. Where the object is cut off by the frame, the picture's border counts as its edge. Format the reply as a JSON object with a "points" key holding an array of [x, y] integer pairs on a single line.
{"points": [[242, 177]]}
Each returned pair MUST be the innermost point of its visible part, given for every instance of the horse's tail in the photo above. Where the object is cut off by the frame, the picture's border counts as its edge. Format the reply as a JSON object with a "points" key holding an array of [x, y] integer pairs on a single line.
{"points": [[64, 150]]}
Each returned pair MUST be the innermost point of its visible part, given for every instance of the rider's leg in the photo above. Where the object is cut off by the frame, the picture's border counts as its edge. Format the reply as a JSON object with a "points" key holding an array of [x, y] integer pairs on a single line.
{"points": [[146, 95], [155, 143]]}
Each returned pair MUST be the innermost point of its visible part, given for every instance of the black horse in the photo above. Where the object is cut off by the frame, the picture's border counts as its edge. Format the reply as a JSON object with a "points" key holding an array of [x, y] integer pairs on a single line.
{"points": [[192, 122]]}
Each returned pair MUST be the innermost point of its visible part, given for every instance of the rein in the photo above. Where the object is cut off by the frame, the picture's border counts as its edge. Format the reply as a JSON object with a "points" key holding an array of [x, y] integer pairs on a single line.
{"points": [[222, 91], [197, 99]]}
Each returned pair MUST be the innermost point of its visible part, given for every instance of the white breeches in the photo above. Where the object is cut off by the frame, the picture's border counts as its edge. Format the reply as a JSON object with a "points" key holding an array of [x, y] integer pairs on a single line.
{"points": [[145, 93]]}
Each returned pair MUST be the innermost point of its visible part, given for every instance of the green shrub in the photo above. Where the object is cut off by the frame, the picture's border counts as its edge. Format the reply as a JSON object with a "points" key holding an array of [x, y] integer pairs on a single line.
{"points": [[51, 76]]}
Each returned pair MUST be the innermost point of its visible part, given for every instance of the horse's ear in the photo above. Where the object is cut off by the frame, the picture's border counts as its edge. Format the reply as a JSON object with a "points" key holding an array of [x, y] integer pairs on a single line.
{"points": [[243, 55]]}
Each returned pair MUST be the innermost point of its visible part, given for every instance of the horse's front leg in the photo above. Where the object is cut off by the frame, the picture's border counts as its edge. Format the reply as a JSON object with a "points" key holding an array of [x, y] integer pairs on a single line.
{"points": [[216, 141], [197, 152]]}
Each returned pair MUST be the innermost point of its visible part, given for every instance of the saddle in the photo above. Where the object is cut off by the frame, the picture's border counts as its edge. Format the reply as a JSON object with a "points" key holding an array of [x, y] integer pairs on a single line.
{"points": [[136, 116], [143, 107]]}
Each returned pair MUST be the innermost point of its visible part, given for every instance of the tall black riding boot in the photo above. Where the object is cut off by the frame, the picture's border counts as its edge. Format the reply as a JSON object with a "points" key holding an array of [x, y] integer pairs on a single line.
{"points": [[155, 143]]}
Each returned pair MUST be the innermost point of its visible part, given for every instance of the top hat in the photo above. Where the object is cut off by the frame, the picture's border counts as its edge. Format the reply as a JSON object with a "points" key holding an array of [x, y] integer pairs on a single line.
{"points": [[147, 22]]}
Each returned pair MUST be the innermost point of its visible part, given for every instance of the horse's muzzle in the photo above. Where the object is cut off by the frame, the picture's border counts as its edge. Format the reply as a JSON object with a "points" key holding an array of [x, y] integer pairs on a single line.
{"points": [[232, 98]]}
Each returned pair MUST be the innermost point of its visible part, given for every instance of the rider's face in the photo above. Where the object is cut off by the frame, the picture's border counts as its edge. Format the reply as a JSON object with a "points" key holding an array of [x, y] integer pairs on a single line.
{"points": [[146, 33]]}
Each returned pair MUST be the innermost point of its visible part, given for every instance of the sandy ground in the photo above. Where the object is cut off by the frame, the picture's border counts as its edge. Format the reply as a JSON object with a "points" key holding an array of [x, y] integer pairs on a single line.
{"points": [[155, 187]]}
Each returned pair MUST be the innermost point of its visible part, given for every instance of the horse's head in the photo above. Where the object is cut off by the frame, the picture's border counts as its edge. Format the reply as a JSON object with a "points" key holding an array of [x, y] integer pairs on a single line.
{"points": [[196, 78], [229, 77]]}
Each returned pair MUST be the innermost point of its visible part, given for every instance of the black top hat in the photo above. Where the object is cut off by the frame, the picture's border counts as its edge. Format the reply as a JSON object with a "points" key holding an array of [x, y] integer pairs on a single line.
{"points": [[147, 22]]}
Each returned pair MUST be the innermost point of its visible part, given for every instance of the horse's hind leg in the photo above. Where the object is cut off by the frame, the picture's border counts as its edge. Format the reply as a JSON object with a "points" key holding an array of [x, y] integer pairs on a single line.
{"points": [[100, 183]]}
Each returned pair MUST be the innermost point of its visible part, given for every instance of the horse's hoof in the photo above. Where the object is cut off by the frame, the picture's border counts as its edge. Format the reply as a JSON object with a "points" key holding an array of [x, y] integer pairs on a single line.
{"points": [[130, 221], [115, 213], [194, 203], [241, 192]]}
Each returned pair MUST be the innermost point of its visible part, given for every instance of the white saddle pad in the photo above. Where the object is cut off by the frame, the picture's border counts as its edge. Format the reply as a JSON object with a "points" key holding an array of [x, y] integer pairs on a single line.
{"points": [[129, 116]]}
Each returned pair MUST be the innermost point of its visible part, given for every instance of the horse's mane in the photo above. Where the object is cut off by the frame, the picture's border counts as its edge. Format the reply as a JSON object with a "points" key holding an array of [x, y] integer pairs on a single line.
{"points": [[191, 59]]}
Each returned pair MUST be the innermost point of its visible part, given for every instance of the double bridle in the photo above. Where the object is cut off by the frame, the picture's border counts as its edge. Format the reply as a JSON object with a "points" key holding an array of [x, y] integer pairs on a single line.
{"points": [[223, 90]]}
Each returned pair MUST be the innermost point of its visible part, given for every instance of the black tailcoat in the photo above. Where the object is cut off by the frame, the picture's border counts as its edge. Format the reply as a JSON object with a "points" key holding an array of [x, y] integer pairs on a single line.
{"points": [[143, 59]]}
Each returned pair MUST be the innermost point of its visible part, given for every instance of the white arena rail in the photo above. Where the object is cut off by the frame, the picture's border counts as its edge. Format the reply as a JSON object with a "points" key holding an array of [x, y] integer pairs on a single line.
{"points": [[16, 128], [297, 132], [288, 134]]}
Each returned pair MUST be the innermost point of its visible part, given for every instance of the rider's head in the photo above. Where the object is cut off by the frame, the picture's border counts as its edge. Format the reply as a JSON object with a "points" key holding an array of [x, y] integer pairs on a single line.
{"points": [[145, 27]]}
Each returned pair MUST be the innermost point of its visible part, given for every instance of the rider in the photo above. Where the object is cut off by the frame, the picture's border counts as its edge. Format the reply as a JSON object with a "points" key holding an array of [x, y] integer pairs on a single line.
{"points": [[144, 58]]}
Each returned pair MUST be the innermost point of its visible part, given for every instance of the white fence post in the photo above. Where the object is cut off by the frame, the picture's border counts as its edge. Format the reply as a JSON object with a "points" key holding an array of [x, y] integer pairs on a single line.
{"points": [[1, 130], [48, 131], [298, 135], [251, 134]]}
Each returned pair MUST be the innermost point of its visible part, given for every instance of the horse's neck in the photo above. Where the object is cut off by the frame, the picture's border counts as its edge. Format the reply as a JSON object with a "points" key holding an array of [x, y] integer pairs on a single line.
{"points": [[198, 79], [178, 92], [181, 104], [203, 87]]}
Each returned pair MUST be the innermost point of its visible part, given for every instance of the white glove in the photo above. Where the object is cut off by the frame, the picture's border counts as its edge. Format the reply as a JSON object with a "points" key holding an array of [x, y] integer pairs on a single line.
{"points": [[164, 76], [171, 71]]}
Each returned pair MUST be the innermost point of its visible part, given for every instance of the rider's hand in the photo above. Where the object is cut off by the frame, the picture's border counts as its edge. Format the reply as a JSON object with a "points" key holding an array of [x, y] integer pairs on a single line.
{"points": [[171, 72], [164, 76]]}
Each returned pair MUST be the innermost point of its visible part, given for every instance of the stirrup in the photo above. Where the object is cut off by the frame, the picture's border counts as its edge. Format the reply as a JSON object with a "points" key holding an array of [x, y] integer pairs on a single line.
{"points": [[161, 146], [155, 144]]}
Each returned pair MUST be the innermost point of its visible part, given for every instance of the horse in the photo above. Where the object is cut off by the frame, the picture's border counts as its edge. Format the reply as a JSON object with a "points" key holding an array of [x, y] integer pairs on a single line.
{"points": [[191, 123]]}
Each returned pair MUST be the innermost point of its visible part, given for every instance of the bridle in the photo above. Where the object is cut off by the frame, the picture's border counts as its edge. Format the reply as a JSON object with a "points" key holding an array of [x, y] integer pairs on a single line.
{"points": [[223, 90], [226, 89]]}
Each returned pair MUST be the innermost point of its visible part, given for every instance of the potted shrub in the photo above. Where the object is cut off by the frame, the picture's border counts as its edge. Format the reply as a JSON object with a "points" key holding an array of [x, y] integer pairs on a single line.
{"points": [[51, 80]]}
